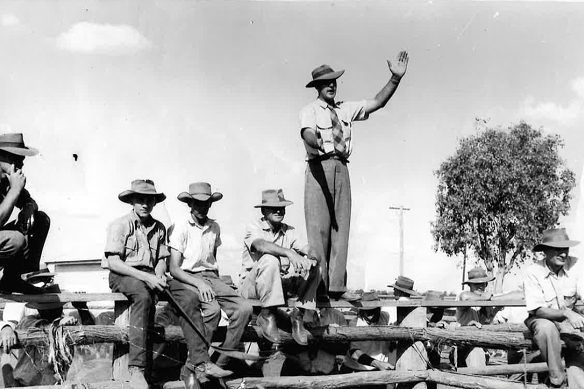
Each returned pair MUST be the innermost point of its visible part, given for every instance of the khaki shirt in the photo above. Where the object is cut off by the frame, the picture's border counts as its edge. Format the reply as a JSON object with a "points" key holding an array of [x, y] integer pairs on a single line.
{"points": [[136, 244], [286, 237]]}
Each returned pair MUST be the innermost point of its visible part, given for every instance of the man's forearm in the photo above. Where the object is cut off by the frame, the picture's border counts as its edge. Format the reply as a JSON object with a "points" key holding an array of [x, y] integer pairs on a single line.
{"points": [[383, 96], [550, 314], [265, 247], [116, 265], [311, 138]]}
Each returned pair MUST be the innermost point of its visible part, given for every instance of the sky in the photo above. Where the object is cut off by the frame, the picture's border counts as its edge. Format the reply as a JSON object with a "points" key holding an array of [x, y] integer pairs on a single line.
{"points": [[185, 91]]}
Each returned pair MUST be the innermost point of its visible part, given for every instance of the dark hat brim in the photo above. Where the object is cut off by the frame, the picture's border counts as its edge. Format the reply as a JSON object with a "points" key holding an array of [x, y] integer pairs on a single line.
{"points": [[480, 280], [127, 195], [409, 291], [185, 197], [558, 245], [22, 151], [328, 76], [280, 204]]}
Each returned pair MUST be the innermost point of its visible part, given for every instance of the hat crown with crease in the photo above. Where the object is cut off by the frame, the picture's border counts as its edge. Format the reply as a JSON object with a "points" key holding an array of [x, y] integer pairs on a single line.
{"points": [[141, 187], [404, 284], [200, 191], [478, 275], [556, 238], [273, 198], [324, 72], [14, 143]]}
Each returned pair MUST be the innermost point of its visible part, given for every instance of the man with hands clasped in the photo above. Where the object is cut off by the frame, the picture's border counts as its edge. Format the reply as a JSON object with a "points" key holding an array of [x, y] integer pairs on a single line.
{"points": [[276, 261], [552, 286]]}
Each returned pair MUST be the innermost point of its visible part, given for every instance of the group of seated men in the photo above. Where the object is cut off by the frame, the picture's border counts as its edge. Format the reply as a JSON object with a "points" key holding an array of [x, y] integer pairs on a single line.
{"points": [[276, 262]]}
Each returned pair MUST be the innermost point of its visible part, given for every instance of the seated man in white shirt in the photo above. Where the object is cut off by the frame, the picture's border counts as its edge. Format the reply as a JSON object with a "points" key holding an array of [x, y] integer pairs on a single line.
{"points": [[551, 288]]}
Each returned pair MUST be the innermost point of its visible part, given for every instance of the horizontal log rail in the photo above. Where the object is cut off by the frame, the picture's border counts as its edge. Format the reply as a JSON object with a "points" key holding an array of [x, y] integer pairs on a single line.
{"points": [[338, 381], [414, 303], [462, 336]]}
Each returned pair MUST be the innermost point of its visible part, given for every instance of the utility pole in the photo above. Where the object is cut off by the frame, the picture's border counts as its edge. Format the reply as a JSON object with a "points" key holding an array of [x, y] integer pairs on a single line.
{"points": [[401, 210]]}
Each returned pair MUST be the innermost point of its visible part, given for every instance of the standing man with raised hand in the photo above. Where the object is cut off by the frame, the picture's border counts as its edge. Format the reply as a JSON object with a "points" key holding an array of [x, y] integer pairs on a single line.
{"points": [[326, 128], [21, 242]]}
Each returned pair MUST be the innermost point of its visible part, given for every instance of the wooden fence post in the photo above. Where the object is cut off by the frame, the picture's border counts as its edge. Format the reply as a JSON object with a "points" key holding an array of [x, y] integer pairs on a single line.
{"points": [[120, 357]]}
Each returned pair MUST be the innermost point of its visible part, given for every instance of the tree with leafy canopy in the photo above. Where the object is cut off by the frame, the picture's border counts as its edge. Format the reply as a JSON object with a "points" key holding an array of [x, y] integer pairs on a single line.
{"points": [[498, 193]]}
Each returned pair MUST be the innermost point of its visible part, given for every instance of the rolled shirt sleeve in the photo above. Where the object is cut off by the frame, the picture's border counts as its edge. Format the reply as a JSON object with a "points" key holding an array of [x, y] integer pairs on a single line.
{"points": [[354, 111], [307, 118], [178, 238], [117, 234], [252, 233]]}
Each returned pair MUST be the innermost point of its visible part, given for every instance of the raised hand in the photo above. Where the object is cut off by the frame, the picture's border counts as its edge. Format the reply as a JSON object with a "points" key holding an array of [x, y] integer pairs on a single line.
{"points": [[17, 180], [399, 67]]}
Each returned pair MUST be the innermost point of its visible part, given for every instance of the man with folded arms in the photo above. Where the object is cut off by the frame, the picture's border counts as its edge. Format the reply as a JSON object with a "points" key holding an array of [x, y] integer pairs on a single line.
{"points": [[193, 262], [326, 128], [21, 242], [275, 261], [552, 286]]}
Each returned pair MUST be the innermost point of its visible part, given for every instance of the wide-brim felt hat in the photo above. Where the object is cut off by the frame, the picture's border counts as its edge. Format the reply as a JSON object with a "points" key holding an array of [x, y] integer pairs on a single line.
{"points": [[369, 301], [322, 73], [200, 191], [141, 187], [557, 238], [14, 143], [404, 284], [478, 275], [273, 198]]}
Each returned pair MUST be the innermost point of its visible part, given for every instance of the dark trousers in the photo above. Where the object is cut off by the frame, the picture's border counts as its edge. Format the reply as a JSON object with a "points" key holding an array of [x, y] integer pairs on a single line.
{"points": [[237, 309], [327, 209], [142, 308], [21, 253], [191, 304]]}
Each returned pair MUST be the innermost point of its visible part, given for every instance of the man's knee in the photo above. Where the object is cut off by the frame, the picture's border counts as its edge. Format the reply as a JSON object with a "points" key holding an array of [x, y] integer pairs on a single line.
{"points": [[11, 243], [211, 310], [269, 261], [42, 220], [545, 328], [244, 310]]}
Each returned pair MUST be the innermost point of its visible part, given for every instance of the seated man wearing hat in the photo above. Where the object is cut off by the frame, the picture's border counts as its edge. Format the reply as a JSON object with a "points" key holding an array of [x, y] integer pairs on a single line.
{"points": [[414, 356], [275, 260], [551, 287], [193, 262], [136, 253], [326, 129], [369, 355], [477, 281], [21, 242]]}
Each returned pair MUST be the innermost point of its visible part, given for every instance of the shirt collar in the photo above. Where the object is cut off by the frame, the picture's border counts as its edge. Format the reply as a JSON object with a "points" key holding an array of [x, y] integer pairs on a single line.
{"points": [[137, 222], [192, 222], [566, 268], [267, 227], [324, 105]]}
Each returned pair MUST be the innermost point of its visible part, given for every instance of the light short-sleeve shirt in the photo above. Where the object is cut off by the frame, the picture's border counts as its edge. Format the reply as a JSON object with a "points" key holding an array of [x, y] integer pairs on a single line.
{"points": [[197, 244], [138, 245], [286, 237], [317, 115], [544, 288]]}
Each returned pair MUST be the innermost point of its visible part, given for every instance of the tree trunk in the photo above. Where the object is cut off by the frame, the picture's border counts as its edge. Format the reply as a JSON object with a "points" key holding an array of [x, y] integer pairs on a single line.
{"points": [[500, 274]]}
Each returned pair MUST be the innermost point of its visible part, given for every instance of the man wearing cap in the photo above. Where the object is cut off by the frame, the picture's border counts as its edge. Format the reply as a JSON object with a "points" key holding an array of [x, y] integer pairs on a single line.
{"points": [[21, 242], [136, 253], [326, 128], [193, 262], [551, 287], [275, 260]]}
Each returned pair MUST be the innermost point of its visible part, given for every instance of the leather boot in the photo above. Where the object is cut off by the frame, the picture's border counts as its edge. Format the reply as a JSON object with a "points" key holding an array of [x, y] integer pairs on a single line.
{"points": [[267, 322], [299, 333]]}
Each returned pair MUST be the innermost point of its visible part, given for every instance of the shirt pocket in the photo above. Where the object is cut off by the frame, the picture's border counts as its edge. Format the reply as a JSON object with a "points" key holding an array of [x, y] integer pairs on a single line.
{"points": [[132, 249], [549, 295]]}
